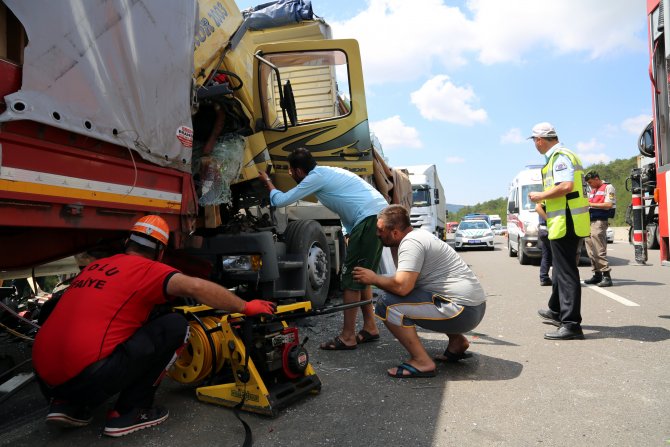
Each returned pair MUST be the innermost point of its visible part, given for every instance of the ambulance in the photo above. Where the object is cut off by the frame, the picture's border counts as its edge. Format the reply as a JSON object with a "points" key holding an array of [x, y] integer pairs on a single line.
{"points": [[522, 219]]}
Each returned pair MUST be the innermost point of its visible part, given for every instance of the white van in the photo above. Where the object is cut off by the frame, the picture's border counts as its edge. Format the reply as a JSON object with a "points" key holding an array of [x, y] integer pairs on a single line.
{"points": [[522, 219]]}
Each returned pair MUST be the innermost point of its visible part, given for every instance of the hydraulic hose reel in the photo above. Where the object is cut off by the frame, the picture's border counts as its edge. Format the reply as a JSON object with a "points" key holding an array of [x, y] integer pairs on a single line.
{"points": [[259, 361]]}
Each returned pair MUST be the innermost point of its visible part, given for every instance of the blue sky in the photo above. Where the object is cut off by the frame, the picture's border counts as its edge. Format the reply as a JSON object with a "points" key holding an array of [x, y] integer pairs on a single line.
{"points": [[459, 84]]}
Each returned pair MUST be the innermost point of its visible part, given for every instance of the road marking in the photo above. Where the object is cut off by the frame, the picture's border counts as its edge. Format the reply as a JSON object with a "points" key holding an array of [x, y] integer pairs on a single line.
{"points": [[614, 296]]}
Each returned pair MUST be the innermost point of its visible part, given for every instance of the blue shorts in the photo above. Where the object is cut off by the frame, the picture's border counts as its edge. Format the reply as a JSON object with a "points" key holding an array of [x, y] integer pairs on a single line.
{"points": [[429, 310]]}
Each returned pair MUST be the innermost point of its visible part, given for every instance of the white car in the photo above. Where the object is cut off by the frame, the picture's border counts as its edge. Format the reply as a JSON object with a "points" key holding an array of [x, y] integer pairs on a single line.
{"points": [[473, 233], [500, 230], [610, 235]]}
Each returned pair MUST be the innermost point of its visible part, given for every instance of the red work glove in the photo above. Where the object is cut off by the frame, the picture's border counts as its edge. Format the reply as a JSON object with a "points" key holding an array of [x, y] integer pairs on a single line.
{"points": [[255, 307]]}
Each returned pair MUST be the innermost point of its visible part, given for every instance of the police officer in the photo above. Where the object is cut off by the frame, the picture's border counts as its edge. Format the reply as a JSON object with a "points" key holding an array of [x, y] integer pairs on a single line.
{"points": [[567, 211], [602, 203]]}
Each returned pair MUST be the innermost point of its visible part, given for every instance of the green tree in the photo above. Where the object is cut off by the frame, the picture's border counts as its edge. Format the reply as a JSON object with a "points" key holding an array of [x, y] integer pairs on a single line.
{"points": [[617, 173]]}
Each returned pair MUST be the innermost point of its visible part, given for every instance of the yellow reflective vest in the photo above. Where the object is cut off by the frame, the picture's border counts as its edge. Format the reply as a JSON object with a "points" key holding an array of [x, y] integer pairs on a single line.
{"points": [[576, 200]]}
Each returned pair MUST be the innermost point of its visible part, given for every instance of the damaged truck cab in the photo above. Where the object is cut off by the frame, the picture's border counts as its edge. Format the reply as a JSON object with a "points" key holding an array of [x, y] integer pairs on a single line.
{"points": [[172, 108]]}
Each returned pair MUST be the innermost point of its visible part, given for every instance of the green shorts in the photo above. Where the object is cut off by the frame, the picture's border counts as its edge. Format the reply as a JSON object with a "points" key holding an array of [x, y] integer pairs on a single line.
{"points": [[363, 250]]}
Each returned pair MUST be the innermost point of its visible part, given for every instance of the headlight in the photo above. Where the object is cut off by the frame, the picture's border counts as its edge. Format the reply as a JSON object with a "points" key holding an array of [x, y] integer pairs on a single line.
{"points": [[488, 233], [242, 263], [458, 234], [531, 229]]}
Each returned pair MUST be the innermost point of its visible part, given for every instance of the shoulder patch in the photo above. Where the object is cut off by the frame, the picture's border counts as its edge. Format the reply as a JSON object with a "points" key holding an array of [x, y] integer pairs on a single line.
{"points": [[560, 166]]}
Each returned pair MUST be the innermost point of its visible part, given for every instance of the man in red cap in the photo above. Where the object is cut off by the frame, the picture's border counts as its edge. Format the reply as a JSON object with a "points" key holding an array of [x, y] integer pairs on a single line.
{"points": [[103, 338]]}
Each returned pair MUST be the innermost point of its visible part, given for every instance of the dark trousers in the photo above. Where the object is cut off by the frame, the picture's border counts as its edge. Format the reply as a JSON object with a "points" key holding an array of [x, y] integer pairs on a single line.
{"points": [[566, 292], [133, 370], [546, 260]]}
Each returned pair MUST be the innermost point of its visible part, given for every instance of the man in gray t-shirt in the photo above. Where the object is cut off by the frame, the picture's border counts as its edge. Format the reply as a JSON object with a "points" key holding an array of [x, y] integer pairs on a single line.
{"points": [[432, 287]]}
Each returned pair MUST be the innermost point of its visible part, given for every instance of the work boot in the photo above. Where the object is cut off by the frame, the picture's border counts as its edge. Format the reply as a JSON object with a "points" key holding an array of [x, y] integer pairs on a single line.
{"points": [[606, 281], [595, 279]]}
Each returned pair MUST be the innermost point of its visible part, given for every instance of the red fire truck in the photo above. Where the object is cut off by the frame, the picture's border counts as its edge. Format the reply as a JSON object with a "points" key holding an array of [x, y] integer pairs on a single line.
{"points": [[648, 183]]}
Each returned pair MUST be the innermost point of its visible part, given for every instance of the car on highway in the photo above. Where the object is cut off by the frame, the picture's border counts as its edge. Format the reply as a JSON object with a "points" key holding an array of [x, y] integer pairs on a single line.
{"points": [[500, 230], [473, 233], [610, 235]]}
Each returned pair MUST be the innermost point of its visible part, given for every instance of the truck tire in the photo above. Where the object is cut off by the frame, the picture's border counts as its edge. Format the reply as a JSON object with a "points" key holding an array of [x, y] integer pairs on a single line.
{"points": [[306, 238], [652, 237]]}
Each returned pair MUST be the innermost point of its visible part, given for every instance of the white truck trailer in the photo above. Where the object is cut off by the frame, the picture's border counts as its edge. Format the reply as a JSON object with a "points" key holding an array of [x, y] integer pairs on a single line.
{"points": [[428, 203]]}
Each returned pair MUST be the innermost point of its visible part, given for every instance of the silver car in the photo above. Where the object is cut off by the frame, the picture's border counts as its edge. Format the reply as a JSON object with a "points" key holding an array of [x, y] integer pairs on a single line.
{"points": [[610, 235], [473, 233]]}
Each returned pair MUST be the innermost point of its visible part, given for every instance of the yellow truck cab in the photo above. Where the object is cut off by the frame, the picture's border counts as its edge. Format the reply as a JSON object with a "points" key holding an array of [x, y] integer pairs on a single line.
{"points": [[172, 108]]}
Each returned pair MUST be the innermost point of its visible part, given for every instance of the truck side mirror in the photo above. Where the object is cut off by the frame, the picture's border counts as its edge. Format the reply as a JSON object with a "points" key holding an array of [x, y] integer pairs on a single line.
{"points": [[646, 142]]}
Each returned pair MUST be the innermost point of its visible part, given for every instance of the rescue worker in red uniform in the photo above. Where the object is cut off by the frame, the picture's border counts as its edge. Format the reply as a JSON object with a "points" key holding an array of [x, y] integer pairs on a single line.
{"points": [[102, 338]]}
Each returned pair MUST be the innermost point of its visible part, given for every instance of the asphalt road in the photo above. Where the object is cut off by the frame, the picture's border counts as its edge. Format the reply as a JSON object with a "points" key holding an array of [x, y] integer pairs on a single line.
{"points": [[612, 389]]}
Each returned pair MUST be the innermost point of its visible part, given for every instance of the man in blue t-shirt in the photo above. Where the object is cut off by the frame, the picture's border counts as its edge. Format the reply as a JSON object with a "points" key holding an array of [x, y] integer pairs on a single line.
{"points": [[357, 203]]}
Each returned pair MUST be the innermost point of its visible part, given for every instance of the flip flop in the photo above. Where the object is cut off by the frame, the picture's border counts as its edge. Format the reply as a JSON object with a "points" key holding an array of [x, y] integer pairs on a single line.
{"points": [[450, 357], [413, 372], [336, 344], [364, 336]]}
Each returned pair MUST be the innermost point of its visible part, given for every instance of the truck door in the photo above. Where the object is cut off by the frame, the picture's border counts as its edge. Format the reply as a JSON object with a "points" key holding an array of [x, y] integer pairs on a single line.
{"points": [[311, 95]]}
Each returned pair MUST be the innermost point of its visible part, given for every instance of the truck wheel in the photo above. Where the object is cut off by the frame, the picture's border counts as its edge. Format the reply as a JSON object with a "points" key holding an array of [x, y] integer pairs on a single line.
{"points": [[306, 238], [652, 237]]}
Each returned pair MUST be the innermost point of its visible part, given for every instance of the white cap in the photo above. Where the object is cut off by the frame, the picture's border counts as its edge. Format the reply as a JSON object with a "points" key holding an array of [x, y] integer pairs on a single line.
{"points": [[543, 130]]}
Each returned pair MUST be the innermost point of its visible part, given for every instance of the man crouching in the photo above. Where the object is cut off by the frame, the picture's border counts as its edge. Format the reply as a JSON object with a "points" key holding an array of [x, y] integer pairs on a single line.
{"points": [[432, 287]]}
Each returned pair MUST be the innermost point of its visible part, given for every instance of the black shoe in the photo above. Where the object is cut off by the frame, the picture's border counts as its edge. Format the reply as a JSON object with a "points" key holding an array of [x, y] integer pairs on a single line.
{"points": [[66, 414], [563, 333], [546, 282], [548, 317], [606, 282], [595, 279], [136, 419]]}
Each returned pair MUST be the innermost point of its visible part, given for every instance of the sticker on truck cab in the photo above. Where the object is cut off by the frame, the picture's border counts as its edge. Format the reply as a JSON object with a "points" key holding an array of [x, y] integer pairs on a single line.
{"points": [[185, 136]]}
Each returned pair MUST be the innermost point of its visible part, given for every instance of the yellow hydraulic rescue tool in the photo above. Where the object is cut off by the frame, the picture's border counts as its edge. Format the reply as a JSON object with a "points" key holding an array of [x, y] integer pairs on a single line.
{"points": [[256, 361]]}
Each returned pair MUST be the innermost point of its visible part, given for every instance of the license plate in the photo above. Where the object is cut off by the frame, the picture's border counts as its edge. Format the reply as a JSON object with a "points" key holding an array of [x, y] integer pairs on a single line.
{"points": [[474, 241]]}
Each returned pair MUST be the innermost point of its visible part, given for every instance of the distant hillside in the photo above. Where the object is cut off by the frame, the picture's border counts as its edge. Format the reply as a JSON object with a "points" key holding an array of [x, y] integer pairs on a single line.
{"points": [[615, 172], [453, 209]]}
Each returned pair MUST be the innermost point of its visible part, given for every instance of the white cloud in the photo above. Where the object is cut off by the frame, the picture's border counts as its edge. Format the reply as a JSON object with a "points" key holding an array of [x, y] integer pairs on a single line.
{"points": [[591, 152], [439, 99], [589, 146], [455, 160], [400, 41], [636, 124], [565, 26], [393, 133], [513, 136]]}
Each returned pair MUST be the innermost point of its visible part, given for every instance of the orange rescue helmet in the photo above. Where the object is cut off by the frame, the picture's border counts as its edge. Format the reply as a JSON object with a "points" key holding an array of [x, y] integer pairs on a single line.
{"points": [[150, 230]]}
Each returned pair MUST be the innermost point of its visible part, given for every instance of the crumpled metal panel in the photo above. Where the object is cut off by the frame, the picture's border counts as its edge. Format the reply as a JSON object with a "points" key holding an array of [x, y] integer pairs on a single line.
{"points": [[117, 70]]}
